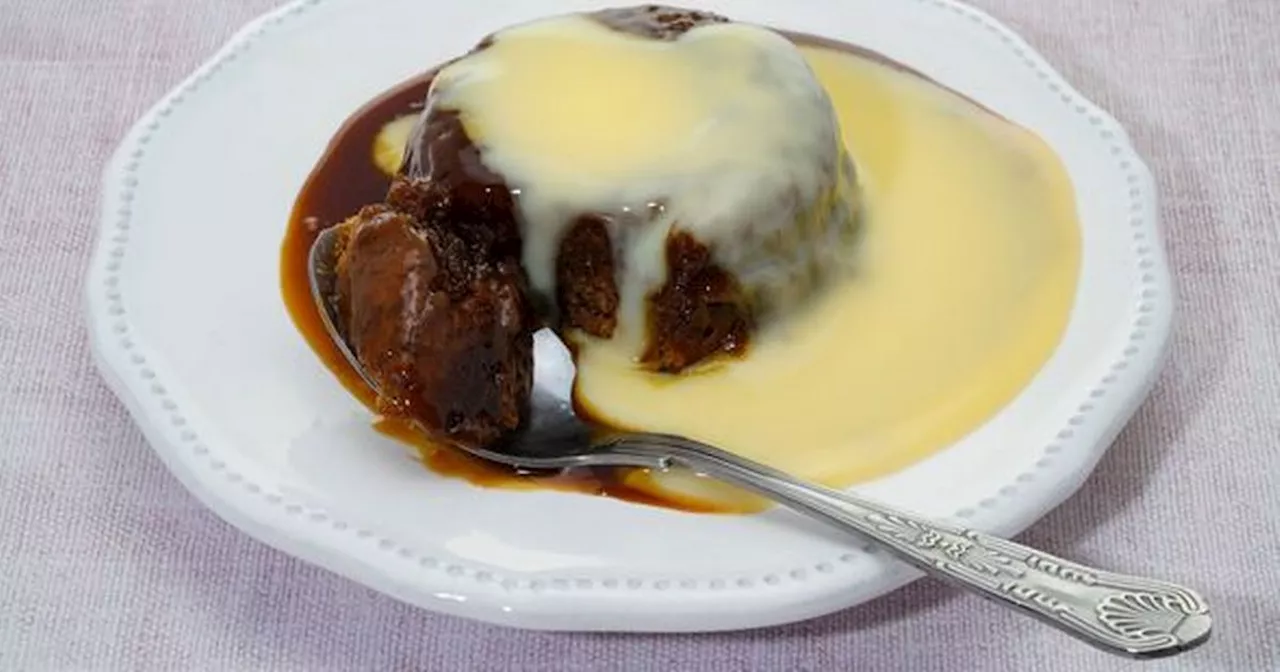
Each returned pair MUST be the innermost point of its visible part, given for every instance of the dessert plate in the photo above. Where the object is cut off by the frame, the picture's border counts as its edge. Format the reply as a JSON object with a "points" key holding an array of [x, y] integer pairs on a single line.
{"points": [[189, 329]]}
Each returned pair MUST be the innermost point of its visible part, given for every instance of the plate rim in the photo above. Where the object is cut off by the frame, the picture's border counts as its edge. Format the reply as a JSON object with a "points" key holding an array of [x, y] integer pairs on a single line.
{"points": [[355, 554]]}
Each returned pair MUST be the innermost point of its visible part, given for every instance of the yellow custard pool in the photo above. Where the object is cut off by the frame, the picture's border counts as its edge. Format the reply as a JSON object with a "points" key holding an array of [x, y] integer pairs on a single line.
{"points": [[964, 284]]}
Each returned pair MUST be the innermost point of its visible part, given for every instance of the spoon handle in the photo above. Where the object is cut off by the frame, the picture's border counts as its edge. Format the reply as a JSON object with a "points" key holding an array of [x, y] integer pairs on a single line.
{"points": [[1128, 615]]}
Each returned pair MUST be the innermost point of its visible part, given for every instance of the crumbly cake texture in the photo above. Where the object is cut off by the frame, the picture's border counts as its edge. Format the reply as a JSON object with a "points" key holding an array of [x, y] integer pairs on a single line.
{"points": [[444, 330]]}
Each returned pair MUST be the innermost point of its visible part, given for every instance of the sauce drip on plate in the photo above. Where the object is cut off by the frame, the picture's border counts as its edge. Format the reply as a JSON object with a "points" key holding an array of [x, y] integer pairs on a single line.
{"points": [[964, 284]]}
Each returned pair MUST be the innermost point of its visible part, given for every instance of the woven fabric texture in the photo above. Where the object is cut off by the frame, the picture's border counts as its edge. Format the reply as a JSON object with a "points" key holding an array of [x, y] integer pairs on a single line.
{"points": [[106, 563]]}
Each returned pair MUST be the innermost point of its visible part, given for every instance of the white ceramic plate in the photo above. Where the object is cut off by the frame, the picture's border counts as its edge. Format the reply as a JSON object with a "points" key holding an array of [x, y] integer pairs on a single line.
{"points": [[189, 329]]}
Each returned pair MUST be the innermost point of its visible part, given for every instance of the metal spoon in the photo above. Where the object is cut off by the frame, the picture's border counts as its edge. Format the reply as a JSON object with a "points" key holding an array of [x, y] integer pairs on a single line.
{"points": [[1128, 615]]}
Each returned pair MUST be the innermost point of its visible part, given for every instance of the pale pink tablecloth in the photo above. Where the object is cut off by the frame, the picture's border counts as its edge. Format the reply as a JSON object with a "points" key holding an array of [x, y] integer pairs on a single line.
{"points": [[107, 563]]}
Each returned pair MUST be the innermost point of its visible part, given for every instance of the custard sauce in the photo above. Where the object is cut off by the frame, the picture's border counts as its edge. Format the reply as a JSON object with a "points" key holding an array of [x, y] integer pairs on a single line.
{"points": [[962, 290]]}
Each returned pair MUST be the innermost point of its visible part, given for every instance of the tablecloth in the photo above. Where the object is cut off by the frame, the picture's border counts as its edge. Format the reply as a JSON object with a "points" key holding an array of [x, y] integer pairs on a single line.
{"points": [[107, 563]]}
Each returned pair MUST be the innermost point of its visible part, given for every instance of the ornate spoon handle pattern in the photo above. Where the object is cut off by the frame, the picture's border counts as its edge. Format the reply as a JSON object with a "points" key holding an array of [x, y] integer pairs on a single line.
{"points": [[1124, 614]]}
